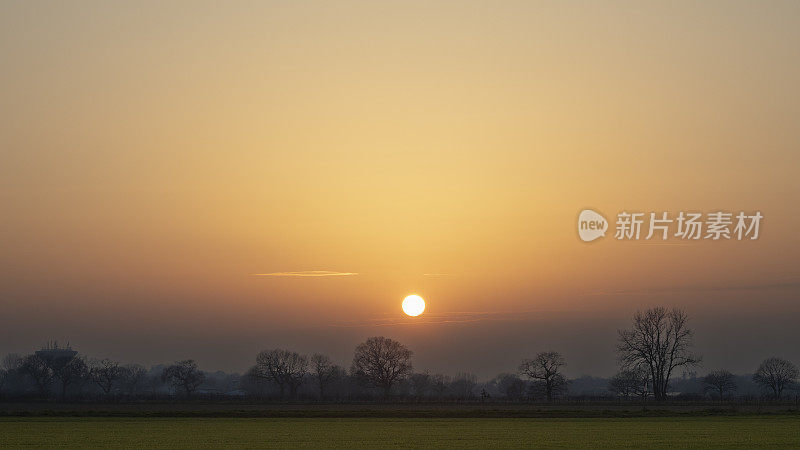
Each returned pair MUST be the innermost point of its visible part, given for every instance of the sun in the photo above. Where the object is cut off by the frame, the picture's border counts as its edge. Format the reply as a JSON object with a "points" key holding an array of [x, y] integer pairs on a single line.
{"points": [[413, 305]]}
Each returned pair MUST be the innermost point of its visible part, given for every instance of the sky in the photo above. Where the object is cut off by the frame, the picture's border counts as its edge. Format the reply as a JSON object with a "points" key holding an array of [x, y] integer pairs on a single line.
{"points": [[177, 177]]}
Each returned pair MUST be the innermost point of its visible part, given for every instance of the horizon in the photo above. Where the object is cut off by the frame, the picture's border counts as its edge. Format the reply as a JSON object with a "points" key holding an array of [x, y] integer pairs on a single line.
{"points": [[731, 360]]}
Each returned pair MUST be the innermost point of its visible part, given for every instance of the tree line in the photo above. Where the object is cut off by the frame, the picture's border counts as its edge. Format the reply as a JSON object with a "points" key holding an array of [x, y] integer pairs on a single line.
{"points": [[658, 344]]}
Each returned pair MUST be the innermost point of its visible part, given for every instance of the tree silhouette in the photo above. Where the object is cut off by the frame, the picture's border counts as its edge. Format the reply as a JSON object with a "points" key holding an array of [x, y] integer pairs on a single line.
{"points": [[545, 369], [776, 374], [720, 381], [184, 375], [660, 342], [283, 367], [381, 362], [421, 383], [630, 382], [105, 373], [323, 371], [133, 377], [463, 385], [37, 370], [511, 386], [70, 372]]}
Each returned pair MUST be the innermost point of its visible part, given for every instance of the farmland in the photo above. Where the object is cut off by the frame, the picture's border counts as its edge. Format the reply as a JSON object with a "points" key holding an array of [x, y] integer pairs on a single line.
{"points": [[182, 432]]}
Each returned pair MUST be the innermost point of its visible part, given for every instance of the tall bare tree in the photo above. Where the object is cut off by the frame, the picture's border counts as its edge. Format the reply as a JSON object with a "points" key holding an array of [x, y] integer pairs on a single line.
{"points": [[545, 368], [323, 371], [719, 381], [659, 341], [776, 374], [381, 362], [184, 375], [105, 373], [284, 368]]}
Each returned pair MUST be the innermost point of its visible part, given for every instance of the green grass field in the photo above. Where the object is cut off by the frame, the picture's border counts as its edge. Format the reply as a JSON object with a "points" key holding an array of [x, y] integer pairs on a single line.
{"points": [[720, 432]]}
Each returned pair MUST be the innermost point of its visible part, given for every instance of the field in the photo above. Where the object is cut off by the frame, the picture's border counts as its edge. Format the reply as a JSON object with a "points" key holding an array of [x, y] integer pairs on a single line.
{"points": [[635, 432]]}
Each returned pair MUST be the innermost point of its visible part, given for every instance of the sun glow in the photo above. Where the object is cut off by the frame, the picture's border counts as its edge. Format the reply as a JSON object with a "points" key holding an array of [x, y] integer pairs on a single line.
{"points": [[413, 305]]}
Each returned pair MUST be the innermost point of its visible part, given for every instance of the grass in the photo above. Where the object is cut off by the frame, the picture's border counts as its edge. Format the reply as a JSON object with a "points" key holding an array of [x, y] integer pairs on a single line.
{"points": [[640, 432]]}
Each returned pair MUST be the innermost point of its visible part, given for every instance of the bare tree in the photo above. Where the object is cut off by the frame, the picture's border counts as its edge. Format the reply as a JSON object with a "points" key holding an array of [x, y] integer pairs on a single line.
{"points": [[8, 366], [154, 380], [184, 375], [132, 378], [463, 385], [284, 368], [421, 383], [630, 382], [37, 369], [11, 362], [71, 372], [776, 374], [105, 373], [11, 371], [323, 371], [381, 362], [545, 368], [254, 383], [659, 341], [719, 381], [511, 386], [439, 384]]}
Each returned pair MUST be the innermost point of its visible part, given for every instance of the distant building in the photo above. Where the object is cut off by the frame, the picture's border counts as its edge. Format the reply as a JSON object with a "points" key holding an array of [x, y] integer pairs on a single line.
{"points": [[56, 356]]}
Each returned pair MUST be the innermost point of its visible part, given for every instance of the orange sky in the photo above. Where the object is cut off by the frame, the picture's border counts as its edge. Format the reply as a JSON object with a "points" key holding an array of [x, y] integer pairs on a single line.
{"points": [[156, 156]]}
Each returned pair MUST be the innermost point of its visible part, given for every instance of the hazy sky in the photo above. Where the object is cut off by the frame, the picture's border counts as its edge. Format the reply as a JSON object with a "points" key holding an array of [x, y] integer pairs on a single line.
{"points": [[156, 155]]}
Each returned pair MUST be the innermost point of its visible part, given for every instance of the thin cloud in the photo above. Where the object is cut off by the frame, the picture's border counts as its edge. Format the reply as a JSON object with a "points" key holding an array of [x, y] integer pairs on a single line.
{"points": [[306, 273], [437, 275]]}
